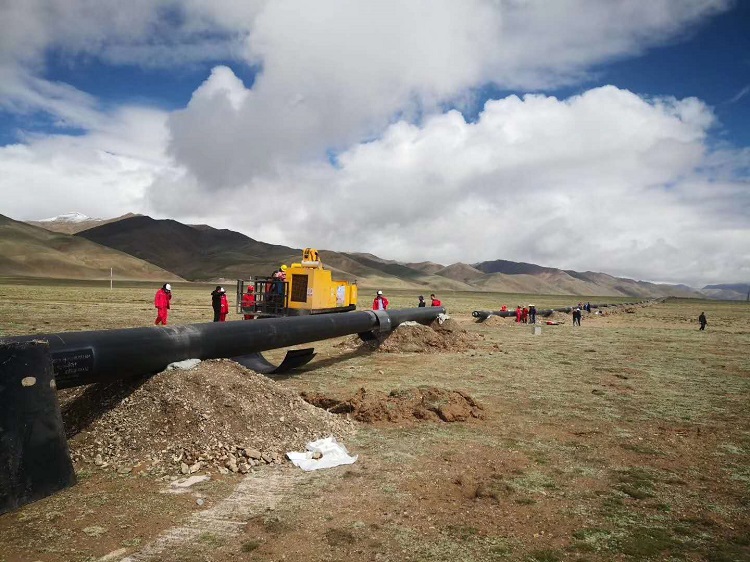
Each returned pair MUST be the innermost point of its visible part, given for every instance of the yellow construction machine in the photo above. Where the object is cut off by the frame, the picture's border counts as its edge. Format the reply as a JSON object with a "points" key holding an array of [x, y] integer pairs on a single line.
{"points": [[300, 289]]}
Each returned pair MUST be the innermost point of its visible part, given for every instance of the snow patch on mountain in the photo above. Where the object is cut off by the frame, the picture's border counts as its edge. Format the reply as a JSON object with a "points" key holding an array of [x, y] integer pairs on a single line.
{"points": [[69, 217]]}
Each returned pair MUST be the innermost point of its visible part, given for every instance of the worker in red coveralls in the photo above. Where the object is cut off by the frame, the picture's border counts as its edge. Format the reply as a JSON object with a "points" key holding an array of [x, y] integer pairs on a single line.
{"points": [[519, 311], [224, 306], [435, 300], [524, 315], [161, 302], [380, 302], [248, 302]]}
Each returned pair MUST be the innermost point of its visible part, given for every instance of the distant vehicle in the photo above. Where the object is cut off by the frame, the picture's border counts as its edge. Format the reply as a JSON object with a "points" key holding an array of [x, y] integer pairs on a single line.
{"points": [[308, 289]]}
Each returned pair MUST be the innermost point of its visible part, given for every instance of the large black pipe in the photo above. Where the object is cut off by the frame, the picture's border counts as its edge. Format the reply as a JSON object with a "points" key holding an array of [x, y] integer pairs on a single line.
{"points": [[34, 457], [80, 358]]}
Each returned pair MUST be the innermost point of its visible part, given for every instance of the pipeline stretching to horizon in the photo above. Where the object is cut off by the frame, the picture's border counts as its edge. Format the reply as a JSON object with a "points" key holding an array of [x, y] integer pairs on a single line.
{"points": [[482, 315]]}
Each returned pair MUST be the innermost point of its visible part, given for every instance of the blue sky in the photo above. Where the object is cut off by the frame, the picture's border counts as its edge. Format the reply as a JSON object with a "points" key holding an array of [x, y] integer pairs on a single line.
{"points": [[449, 114]]}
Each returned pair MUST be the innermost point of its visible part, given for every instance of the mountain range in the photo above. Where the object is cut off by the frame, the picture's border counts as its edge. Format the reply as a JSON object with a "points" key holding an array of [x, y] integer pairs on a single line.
{"points": [[75, 246]]}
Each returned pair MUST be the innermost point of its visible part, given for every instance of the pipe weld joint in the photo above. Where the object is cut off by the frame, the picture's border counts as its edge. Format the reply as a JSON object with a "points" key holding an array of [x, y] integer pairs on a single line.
{"points": [[384, 321]]}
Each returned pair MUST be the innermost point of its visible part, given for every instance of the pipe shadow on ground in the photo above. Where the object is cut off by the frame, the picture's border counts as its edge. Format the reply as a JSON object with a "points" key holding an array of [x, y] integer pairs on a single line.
{"points": [[82, 406], [363, 350]]}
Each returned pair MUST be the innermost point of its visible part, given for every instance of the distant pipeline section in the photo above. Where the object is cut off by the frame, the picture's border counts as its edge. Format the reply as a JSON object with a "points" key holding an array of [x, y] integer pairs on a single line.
{"points": [[482, 315]]}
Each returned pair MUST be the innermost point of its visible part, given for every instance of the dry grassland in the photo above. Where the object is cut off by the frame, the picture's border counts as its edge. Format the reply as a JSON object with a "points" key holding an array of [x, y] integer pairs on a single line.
{"points": [[625, 439]]}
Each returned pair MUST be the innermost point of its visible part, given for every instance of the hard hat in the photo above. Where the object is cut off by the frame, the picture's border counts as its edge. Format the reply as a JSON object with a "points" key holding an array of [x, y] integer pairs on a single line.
{"points": [[283, 268], [168, 287], [222, 290], [380, 292], [250, 289]]}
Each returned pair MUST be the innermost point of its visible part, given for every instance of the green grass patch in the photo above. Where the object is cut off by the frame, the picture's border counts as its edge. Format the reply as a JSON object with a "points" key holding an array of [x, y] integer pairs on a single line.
{"points": [[249, 546], [592, 539], [640, 449], [463, 532], [210, 540], [637, 483], [337, 536], [647, 542], [544, 556]]}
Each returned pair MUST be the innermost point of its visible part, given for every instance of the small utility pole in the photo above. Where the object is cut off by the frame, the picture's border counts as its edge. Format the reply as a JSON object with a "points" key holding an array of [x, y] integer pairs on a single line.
{"points": [[110, 278]]}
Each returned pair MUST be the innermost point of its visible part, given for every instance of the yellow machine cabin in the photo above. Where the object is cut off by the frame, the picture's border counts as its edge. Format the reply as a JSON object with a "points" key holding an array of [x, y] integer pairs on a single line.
{"points": [[302, 288]]}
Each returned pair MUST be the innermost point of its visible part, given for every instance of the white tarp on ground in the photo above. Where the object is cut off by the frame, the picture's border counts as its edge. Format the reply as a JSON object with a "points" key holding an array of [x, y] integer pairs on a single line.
{"points": [[323, 453], [186, 365]]}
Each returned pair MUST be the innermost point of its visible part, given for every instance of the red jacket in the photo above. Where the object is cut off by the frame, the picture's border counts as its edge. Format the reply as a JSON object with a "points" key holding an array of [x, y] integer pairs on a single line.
{"points": [[248, 300], [162, 298], [376, 304], [436, 302], [224, 304]]}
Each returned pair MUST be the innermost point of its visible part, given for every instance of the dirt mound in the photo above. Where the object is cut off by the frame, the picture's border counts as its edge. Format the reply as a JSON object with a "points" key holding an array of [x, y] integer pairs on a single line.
{"points": [[217, 415], [495, 320], [411, 337], [402, 406]]}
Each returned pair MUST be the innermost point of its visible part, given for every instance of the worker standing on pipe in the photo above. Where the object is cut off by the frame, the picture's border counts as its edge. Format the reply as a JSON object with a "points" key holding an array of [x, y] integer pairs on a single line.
{"points": [[161, 302], [380, 302]]}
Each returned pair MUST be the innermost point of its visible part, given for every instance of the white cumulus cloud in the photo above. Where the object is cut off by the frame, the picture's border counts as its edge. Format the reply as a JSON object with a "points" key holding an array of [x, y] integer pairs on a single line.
{"points": [[343, 139]]}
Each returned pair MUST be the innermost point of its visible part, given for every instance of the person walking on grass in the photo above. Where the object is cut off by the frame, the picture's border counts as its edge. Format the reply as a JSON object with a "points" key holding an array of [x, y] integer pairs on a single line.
{"points": [[703, 321], [161, 303], [577, 316]]}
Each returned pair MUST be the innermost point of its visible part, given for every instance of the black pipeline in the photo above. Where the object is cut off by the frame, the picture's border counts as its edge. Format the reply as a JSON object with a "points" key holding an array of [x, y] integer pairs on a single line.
{"points": [[482, 315], [80, 358]]}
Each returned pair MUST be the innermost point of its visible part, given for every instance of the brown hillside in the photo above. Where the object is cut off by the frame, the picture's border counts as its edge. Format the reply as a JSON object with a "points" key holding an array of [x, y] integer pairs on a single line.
{"points": [[426, 267], [30, 251], [372, 272], [194, 253], [201, 252], [460, 272]]}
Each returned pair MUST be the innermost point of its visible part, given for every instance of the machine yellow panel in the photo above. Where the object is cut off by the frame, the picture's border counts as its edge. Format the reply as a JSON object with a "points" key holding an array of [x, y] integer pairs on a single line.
{"points": [[307, 289]]}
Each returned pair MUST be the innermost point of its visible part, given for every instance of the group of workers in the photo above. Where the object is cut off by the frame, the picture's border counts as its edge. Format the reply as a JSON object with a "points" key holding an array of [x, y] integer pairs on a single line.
{"points": [[381, 303], [220, 304], [525, 314]]}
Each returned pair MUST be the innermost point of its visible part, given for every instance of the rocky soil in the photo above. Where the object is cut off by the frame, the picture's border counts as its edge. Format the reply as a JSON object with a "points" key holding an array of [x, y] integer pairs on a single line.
{"points": [[402, 406], [217, 416], [411, 337]]}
